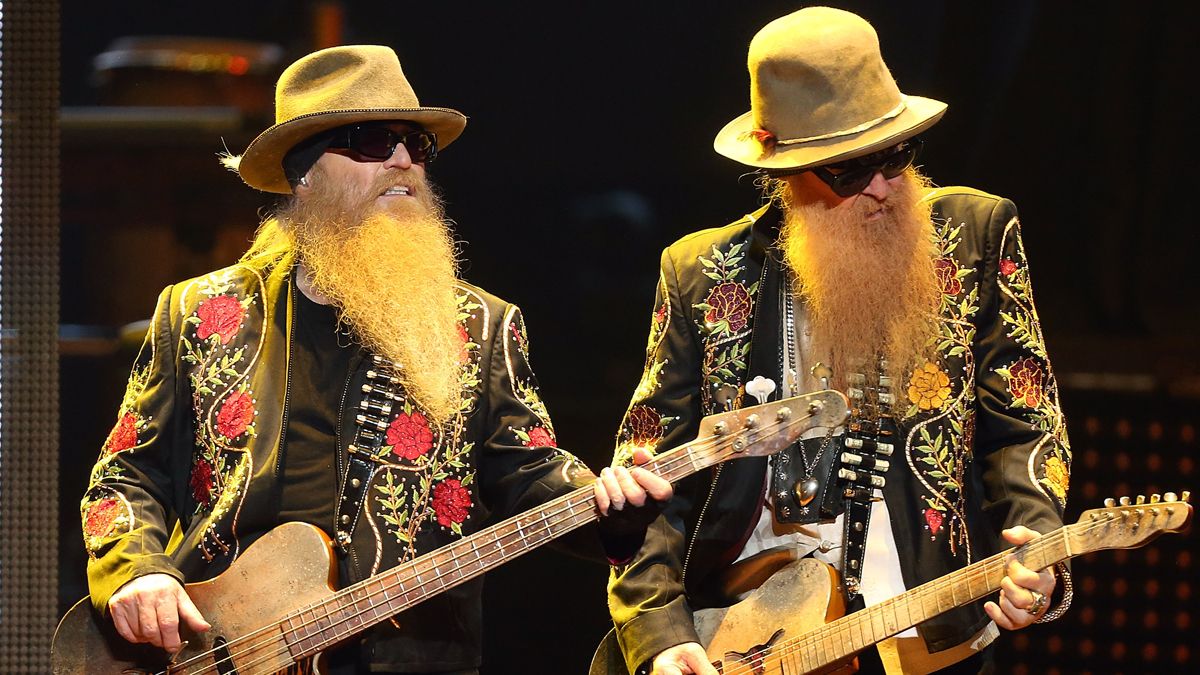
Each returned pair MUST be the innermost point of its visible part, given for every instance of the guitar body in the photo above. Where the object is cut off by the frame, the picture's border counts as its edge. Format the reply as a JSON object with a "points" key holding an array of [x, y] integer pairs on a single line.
{"points": [[287, 569], [799, 598]]}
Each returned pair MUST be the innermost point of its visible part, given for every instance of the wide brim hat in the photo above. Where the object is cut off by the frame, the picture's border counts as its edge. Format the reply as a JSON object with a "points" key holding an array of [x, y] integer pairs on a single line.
{"points": [[331, 88], [820, 93]]}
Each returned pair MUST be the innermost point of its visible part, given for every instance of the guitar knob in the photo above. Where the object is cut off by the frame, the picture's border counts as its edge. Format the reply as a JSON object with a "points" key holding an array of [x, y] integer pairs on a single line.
{"points": [[1170, 497], [1124, 501], [1110, 502], [752, 421], [783, 414]]}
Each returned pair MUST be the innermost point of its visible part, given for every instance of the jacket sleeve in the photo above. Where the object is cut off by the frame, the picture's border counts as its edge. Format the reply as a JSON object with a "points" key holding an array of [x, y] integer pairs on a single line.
{"points": [[1022, 450], [521, 463], [646, 595], [127, 511]]}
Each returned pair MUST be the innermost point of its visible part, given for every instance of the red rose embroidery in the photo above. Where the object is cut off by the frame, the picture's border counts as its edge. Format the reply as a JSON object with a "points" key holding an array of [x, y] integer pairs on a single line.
{"points": [[1025, 381], [236, 414], [123, 436], [660, 317], [517, 336], [222, 316], [540, 437], [1007, 267], [201, 482], [947, 274], [730, 303], [645, 425], [450, 502], [934, 518], [464, 354], [100, 517], [410, 435]]}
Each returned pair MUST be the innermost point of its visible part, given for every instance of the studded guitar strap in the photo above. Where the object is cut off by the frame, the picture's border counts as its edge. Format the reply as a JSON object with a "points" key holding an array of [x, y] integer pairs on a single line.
{"points": [[869, 444], [380, 393]]}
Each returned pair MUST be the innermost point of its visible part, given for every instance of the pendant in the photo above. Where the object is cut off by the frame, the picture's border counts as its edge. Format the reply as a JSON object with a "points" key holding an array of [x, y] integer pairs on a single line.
{"points": [[806, 490]]}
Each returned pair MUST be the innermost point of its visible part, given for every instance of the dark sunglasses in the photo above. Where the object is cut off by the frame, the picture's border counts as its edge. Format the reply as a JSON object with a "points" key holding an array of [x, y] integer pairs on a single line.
{"points": [[379, 142], [854, 175]]}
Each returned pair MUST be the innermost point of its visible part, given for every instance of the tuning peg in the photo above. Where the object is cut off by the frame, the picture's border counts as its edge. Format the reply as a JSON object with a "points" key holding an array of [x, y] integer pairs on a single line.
{"points": [[1154, 498], [1187, 495], [1110, 502], [752, 421], [1170, 497], [1141, 499], [719, 428], [1124, 501]]}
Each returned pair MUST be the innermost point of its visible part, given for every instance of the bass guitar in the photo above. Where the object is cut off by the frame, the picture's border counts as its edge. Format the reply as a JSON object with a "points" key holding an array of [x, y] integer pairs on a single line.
{"points": [[288, 627]]}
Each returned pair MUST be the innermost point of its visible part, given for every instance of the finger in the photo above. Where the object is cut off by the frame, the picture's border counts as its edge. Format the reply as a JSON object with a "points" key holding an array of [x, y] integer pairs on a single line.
{"points": [[630, 490], [1018, 535], [120, 616], [1017, 616], [166, 608], [1023, 576], [697, 662], [600, 494], [641, 456], [997, 615], [1018, 596], [147, 620], [190, 614], [659, 488], [615, 498]]}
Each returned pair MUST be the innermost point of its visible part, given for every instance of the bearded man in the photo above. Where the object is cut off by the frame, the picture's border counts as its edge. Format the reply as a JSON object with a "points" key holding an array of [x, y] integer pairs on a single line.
{"points": [[339, 375], [913, 301]]}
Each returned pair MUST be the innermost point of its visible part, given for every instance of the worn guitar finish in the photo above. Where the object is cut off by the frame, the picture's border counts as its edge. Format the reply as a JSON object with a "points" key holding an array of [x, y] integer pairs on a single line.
{"points": [[791, 626], [274, 610]]}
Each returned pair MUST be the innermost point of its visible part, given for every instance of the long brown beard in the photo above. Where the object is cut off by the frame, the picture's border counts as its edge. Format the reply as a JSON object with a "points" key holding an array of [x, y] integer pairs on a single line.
{"points": [[390, 274], [870, 287]]}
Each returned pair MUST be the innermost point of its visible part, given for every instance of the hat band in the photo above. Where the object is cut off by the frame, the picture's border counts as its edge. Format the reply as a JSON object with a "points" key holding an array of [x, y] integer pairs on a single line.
{"points": [[770, 142]]}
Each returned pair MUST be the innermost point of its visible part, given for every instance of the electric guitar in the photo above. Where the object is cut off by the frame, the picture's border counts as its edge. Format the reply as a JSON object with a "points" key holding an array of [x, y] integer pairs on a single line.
{"points": [[795, 622], [286, 627]]}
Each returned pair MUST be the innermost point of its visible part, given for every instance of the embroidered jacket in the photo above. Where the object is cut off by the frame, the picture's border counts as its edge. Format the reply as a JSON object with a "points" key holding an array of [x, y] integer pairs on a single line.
{"points": [[185, 480], [984, 446]]}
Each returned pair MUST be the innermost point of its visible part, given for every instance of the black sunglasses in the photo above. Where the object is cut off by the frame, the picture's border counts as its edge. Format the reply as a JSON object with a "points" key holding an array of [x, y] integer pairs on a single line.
{"points": [[379, 142], [854, 175]]}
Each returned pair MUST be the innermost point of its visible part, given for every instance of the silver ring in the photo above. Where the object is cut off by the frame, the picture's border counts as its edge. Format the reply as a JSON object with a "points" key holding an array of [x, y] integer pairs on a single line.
{"points": [[1039, 603]]}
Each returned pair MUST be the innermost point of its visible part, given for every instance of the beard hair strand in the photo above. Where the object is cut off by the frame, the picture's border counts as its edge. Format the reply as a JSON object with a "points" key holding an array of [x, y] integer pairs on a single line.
{"points": [[391, 276]]}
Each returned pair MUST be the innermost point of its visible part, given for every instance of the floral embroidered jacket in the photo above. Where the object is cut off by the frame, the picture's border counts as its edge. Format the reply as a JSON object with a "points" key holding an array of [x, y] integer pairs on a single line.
{"points": [[185, 480], [984, 438]]}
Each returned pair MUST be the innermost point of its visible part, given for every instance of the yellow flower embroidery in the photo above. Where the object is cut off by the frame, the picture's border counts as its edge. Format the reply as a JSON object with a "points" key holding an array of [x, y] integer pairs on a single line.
{"points": [[929, 387], [1057, 476]]}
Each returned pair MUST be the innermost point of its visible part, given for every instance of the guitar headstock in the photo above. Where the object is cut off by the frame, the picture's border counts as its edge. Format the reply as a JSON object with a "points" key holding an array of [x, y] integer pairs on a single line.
{"points": [[770, 427], [1127, 523]]}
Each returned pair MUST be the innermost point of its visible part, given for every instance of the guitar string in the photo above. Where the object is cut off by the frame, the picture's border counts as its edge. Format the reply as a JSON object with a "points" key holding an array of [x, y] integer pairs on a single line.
{"points": [[802, 645], [669, 462]]}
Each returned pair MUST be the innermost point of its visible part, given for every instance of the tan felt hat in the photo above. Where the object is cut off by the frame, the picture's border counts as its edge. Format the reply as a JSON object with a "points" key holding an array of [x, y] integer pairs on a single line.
{"points": [[330, 88], [820, 93]]}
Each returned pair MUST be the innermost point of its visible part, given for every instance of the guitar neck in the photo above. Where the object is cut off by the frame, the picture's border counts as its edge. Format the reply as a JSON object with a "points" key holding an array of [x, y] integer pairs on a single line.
{"points": [[852, 633], [364, 604]]}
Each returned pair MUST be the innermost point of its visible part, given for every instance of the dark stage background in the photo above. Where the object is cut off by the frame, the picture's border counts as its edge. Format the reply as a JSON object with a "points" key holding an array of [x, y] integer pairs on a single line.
{"points": [[589, 149]]}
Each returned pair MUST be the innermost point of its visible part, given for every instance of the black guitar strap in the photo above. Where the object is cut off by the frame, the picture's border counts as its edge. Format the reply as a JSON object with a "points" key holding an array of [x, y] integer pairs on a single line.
{"points": [[869, 444], [380, 393]]}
